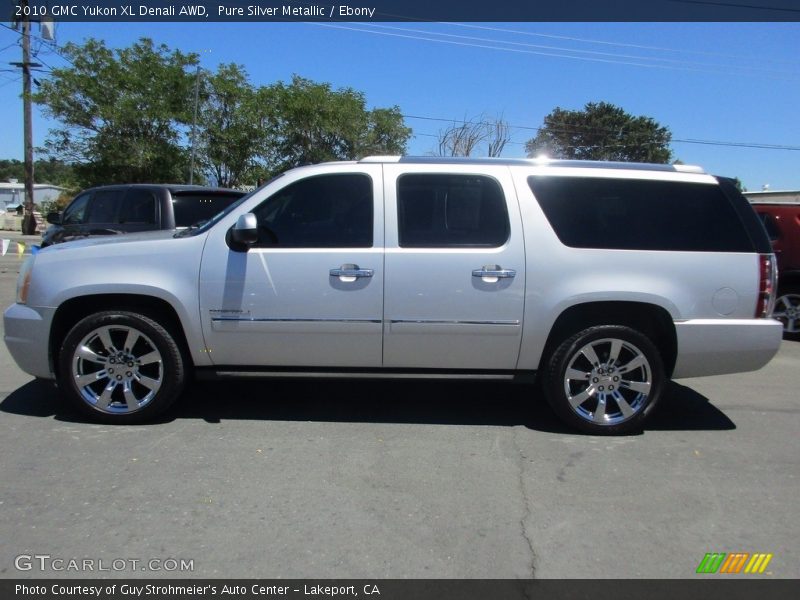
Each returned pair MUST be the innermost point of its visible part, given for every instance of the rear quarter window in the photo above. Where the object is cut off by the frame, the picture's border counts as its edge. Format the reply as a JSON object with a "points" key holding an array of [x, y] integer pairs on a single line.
{"points": [[634, 214], [195, 207]]}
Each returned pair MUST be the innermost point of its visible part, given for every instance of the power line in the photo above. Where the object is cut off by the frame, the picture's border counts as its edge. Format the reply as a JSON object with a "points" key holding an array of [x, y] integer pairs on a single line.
{"points": [[587, 129], [491, 45], [620, 44], [672, 61]]}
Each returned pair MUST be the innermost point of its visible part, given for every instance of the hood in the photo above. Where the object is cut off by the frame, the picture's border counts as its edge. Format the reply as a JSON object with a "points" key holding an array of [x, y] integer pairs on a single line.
{"points": [[103, 240]]}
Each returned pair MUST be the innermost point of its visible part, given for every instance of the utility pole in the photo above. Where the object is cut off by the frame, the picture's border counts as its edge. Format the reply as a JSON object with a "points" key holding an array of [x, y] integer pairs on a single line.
{"points": [[28, 222], [194, 123]]}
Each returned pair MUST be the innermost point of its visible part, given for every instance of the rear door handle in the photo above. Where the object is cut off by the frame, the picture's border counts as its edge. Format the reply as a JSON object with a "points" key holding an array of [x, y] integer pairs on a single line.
{"points": [[351, 272]]}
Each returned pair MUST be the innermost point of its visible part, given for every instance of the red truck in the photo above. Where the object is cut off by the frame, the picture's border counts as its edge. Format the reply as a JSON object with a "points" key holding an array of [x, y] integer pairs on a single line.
{"points": [[782, 221]]}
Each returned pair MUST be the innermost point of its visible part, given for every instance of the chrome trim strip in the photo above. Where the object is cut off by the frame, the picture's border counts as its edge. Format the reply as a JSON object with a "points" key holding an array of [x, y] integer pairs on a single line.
{"points": [[292, 320], [436, 322], [362, 375]]}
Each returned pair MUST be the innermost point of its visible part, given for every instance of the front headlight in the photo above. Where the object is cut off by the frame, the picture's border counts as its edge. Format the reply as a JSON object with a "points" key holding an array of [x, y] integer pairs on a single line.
{"points": [[24, 280]]}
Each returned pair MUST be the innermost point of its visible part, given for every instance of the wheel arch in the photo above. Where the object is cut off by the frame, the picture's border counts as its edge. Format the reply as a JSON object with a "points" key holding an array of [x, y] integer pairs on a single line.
{"points": [[651, 320], [70, 312]]}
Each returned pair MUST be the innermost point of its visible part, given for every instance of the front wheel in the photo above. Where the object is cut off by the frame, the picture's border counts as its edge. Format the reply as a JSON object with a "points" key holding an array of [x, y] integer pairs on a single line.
{"points": [[120, 367], [604, 380], [787, 311]]}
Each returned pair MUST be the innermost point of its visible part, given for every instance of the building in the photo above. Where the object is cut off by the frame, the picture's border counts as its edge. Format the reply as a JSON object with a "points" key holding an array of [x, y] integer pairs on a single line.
{"points": [[12, 194]]}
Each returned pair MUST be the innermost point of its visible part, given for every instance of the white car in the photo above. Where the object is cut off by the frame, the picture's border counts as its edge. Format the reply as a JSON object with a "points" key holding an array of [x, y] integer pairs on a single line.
{"points": [[604, 279]]}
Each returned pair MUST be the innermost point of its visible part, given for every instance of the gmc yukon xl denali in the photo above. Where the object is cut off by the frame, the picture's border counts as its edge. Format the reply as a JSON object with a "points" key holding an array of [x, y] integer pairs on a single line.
{"points": [[603, 279]]}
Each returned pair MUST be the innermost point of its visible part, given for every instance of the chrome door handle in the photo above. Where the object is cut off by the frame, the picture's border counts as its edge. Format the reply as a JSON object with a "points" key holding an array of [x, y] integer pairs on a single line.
{"points": [[494, 271], [351, 271]]}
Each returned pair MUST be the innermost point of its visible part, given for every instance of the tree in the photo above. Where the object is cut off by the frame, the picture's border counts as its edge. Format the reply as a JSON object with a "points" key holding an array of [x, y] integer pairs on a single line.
{"points": [[231, 132], [50, 171], [461, 139], [601, 131], [121, 111], [311, 123]]}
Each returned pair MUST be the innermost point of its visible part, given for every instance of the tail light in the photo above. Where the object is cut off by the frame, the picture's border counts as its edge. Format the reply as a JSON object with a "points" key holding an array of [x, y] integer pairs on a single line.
{"points": [[767, 285]]}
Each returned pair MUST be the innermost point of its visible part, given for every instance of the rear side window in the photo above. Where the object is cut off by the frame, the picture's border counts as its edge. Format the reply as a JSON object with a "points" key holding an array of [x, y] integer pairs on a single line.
{"points": [[139, 207], [195, 207], [633, 214], [440, 211], [104, 207]]}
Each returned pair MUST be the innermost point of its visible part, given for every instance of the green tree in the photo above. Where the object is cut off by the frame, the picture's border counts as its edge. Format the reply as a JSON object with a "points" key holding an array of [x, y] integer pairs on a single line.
{"points": [[310, 122], [601, 131], [51, 171], [121, 111], [231, 134]]}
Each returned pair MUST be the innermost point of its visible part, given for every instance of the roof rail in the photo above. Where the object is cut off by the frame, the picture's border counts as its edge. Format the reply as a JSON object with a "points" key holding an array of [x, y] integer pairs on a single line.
{"points": [[550, 162]]}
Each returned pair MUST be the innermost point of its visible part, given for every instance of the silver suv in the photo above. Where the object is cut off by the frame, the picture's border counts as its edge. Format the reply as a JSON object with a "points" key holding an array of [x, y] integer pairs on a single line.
{"points": [[604, 279]]}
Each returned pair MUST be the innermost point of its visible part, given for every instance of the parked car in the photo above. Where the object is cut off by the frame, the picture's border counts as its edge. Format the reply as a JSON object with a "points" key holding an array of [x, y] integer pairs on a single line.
{"points": [[129, 208], [604, 279], [782, 222]]}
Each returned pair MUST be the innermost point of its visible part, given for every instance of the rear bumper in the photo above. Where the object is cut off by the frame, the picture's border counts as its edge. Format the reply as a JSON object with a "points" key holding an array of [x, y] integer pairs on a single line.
{"points": [[719, 346], [27, 331]]}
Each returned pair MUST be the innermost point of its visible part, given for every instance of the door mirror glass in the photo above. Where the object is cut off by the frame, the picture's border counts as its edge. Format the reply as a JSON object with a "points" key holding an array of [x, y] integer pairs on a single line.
{"points": [[54, 218]]}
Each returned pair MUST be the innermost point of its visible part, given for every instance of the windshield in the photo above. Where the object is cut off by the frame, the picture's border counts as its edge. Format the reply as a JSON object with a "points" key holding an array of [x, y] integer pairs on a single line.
{"points": [[204, 225]]}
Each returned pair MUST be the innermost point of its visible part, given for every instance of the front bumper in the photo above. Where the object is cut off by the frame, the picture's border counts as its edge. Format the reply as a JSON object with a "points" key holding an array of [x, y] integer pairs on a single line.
{"points": [[719, 346], [27, 335]]}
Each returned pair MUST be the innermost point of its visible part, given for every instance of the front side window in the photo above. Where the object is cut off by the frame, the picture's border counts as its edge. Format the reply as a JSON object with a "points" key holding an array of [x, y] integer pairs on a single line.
{"points": [[442, 211], [74, 213], [326, 211]]}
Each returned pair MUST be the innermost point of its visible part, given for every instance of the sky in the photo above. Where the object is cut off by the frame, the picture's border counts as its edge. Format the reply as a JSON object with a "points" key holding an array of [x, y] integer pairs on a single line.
{"points": [[728, 92]]}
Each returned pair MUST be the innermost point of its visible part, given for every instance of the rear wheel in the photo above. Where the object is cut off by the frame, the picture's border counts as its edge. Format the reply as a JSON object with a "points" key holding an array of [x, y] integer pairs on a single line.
{"points": [[120, 367], [604, 380], [787, 311]]}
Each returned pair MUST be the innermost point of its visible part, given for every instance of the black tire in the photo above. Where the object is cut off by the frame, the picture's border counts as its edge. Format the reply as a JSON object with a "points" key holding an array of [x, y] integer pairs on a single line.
{"points": [[118, 384], [630, 386], [787, 311]]}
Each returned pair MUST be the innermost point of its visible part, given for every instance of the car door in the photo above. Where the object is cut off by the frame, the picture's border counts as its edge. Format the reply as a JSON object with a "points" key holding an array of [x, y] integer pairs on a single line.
{"points": [[309, 292], [455, 268], [102, 215]]}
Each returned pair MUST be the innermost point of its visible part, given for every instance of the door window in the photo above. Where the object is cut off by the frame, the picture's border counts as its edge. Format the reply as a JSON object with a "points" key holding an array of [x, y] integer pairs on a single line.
{"points": [[441, 211], [327, 211], [74, 213], [139, 207], [104, 207]]}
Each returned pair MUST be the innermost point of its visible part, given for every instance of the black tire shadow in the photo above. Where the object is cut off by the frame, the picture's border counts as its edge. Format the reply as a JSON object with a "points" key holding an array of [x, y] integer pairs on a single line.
{"points": [[376, 401]]}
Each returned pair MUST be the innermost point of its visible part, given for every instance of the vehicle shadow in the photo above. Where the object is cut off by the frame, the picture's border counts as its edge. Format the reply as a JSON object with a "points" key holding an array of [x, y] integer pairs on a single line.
{"points": [[377, 401]]}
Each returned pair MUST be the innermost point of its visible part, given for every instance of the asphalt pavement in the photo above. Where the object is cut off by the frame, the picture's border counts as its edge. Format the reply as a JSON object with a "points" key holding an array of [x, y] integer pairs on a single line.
{"points": [[354, 479]]}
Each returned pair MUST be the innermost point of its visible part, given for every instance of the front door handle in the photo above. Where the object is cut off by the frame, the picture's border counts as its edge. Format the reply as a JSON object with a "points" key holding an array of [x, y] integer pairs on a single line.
{"points": [[348, 273], [494, 272]]}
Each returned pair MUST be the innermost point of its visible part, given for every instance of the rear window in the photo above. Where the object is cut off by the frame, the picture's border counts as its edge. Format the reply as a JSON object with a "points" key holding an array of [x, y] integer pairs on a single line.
{"points": [[191, 208], [633, 214]]}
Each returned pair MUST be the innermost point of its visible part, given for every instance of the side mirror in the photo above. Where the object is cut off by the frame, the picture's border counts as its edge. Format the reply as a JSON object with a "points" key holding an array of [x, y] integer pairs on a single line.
{"points": [[54, 218], [245, 232]]}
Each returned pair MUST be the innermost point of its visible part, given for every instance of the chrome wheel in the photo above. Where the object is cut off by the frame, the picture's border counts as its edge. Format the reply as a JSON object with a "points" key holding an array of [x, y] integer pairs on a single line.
{"points": [[787, 311], [117, 369], [608, 381]]}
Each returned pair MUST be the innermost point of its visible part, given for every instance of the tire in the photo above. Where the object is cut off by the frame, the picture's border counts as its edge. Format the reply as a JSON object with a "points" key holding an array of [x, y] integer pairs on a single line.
{"points": [[787, 311], [120, 367], [604, 380]]}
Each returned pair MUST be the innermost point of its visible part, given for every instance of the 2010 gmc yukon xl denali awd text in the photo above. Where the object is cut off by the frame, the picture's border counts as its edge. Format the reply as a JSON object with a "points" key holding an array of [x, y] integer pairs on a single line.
{"points": [[604, 279]]}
